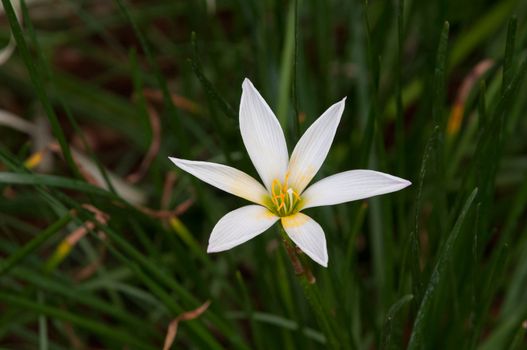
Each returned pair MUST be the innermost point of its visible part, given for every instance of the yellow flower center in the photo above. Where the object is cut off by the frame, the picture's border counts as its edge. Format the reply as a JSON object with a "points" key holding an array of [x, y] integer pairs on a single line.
{"points": [[284, 199]]}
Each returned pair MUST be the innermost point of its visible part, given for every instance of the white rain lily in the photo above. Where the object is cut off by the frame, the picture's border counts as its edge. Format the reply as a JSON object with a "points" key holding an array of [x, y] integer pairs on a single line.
{"points": [[286, 179]]}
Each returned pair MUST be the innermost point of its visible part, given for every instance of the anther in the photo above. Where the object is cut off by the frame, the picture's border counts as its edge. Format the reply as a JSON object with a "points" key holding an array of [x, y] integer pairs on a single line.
{"points": [[283, 197]]}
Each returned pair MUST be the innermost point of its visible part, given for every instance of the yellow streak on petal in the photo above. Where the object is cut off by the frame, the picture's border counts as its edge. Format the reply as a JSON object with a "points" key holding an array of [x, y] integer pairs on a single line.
{"points": [[241, 192], [303, 179], [266, 215], [295, 220]]}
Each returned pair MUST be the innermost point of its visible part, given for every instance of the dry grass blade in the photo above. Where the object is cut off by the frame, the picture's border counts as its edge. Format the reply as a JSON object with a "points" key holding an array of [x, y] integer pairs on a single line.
{"points": [[179, 101], [456, 116], [100, 217], [14, 121], [153, 150], [168, 186], [8, 50], [74, 237], [186, 316], [75, 341], [89, 270], [167, 214], [92, 175]]}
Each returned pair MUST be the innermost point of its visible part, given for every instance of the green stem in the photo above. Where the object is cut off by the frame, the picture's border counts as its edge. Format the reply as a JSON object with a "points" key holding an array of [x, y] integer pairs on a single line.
{"points": [[307, 281], [32, 245]]}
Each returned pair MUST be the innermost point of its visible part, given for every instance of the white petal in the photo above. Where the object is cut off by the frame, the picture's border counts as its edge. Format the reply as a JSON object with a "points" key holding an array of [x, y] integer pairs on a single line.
{"points": [[312, 149], [308, 236], [262, 135], [225, 178], [239, 226], [350, 186]]}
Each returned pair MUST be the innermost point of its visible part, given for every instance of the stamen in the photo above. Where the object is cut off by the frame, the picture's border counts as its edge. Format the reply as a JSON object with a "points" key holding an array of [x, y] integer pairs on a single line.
{"points": [[283, 198], [286, 180], [273, 186], [296, 195], [290, 192]]}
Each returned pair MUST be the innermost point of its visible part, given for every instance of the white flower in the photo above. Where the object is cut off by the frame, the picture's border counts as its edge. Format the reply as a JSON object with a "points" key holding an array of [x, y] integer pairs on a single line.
{"points": [[285, 180]]}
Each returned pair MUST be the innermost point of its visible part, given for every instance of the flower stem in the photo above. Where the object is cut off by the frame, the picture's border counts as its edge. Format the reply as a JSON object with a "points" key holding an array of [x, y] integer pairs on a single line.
{"points": [[307, 281]]}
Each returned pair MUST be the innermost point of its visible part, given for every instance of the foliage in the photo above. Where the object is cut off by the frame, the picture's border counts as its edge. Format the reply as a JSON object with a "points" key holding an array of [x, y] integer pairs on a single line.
{"points": [[102, 239]]}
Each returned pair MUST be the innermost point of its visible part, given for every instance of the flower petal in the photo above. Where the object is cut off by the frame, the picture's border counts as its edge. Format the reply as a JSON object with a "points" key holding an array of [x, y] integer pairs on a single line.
{"points": [[312, 149], [225, 178], [262, 135], [239, 226], [308, 236], [350, 186]]}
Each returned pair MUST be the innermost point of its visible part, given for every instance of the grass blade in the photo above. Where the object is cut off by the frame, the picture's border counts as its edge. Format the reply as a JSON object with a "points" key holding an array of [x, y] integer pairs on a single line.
{"points": [[437, 278], [34, 244]]}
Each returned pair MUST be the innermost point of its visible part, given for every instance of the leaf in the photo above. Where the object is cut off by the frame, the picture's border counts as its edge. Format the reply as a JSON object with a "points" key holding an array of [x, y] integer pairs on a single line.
{"points": [[388, 326], [437, 277], [33, 245]]}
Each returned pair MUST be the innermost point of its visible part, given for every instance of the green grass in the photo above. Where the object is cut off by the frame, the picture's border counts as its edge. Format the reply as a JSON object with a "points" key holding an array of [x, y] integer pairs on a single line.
{"points": [[439, 265]]}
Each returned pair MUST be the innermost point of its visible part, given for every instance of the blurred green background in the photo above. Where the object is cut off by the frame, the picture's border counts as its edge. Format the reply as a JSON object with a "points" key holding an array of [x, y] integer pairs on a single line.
{"points": [[103, 241]]}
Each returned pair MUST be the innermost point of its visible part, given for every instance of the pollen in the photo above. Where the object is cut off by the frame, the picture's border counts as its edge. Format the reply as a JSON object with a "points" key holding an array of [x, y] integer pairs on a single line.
{"points": [[285, 200]]}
